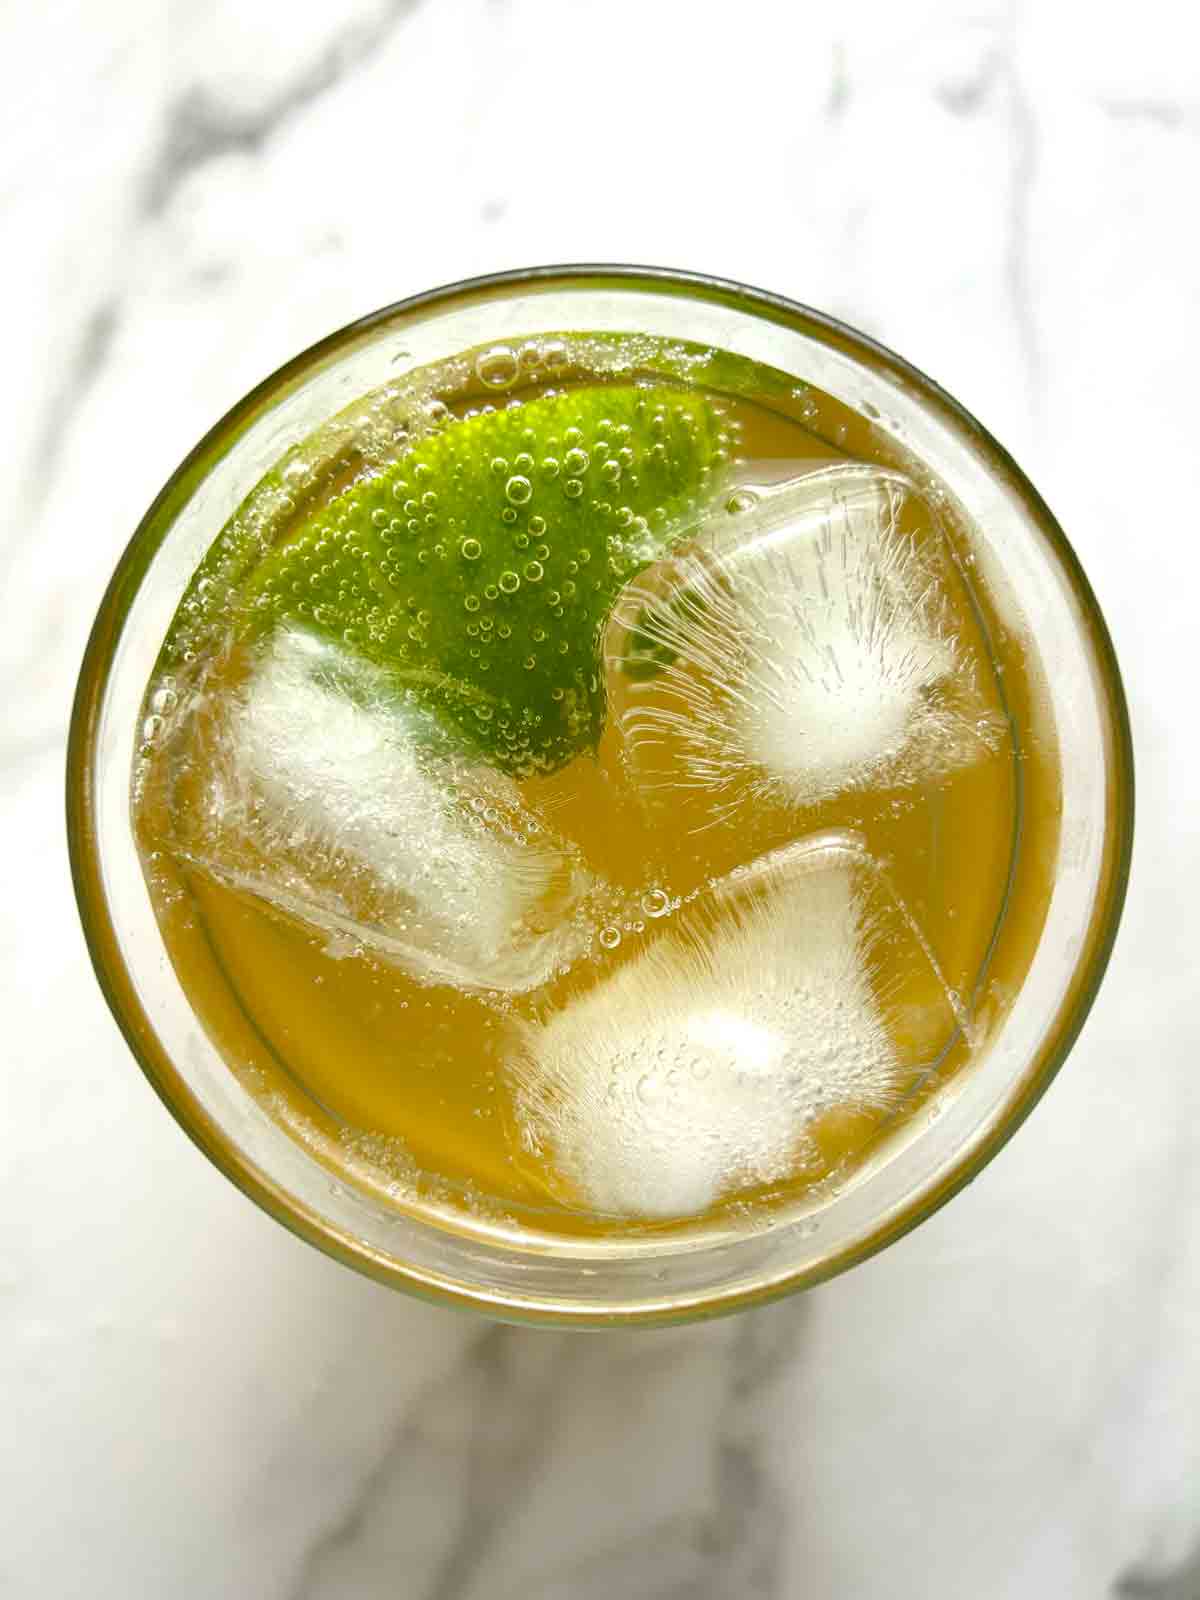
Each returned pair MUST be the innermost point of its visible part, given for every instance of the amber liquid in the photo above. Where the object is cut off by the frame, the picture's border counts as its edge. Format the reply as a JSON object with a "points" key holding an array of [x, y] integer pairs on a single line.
{"points": [[407, 1088]]}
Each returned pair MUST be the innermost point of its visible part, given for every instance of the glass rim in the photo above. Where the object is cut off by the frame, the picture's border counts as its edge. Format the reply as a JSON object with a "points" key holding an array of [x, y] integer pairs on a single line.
{"points": [[167, 1080]]}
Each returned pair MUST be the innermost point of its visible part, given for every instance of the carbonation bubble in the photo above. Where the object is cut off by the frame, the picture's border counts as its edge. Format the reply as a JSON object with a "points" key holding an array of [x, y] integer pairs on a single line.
{"points": [[655, 902], [533, 571], [575, 460], [518, 490], [509, 582], [471, 549], [610, 937], [496, 367], [573, 488]]}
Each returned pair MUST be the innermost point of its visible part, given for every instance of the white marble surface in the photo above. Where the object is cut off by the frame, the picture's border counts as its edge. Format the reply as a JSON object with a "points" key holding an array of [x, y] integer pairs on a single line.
{"points": [[1007, 1404]]}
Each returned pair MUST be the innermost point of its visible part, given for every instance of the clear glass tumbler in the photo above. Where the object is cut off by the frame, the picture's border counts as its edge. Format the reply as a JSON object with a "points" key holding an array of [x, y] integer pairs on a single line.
{"points": [[658, 1278]]}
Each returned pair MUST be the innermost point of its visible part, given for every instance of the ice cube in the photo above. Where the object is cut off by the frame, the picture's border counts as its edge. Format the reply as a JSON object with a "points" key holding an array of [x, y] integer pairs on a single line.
{"points": [[794, 990], [315, 786], [806, 642]]}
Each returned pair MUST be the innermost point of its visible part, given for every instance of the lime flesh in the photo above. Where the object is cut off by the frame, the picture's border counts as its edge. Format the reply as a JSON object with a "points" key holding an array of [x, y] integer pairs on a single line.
{"points": [[480, 568]]}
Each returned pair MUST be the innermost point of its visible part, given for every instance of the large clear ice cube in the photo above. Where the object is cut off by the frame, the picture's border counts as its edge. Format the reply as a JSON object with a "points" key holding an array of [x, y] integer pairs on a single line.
{"points": [[804, 645], [311, 784], [794, 991]]}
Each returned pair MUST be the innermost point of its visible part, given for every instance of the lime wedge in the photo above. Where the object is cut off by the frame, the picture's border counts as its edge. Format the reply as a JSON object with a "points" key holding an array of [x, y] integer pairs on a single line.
{"points": [[480, 568]]}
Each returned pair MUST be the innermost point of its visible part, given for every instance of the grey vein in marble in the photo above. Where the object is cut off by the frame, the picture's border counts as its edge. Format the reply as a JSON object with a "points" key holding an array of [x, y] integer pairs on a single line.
{"points": [[200, 129], [481, 1438], [92, 346], [1163, 113], [1023, 178], [509, 1440], [744, 1540], [1183, 1584], [964, 97], [968, 97], [511, 1404]]}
